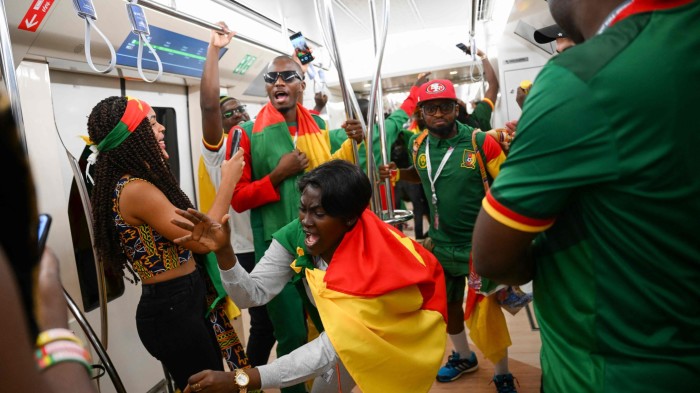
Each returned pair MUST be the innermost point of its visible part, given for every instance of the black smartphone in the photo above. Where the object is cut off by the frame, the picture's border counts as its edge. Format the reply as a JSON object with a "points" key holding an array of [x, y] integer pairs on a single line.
{"points": [[43, 231], [464, 48], [301, 48], [235, 141]]}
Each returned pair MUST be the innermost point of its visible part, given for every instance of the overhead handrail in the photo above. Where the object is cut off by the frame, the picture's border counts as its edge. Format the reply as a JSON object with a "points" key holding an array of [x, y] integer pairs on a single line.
{"points": [[9, 75], [263, 19], [139, 26], [86, 10], [95, 342], [151, 4]]}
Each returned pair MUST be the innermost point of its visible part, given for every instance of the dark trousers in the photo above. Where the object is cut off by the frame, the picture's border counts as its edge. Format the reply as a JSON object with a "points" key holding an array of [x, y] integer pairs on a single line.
{"points": [[171, 325], [261, 338], [415, 194]]}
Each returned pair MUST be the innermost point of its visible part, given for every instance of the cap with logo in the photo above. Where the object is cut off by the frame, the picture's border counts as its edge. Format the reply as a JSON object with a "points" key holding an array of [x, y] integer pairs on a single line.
{"points": [[549, 34], [437, 89]]}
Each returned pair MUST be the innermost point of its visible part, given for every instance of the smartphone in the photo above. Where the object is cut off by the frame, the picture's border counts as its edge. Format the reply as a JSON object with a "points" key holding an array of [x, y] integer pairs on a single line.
{"points": [[464, 48], [85, 8], [43, 231], [303, 51], [137, 17], [235, 141]]}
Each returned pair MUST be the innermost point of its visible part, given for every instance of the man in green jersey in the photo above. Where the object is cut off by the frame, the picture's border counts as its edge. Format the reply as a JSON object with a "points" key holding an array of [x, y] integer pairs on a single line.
{"points": [[445, 163], [607, 187]]}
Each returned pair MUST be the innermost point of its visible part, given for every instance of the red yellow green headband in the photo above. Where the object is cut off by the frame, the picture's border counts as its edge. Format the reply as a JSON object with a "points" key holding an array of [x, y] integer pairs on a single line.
{"points": [[136, 111]]}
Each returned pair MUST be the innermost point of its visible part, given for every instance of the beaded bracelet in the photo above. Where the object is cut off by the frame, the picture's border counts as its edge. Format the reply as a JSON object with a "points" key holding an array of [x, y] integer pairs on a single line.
{"points": [[56, 334], [61, 346], [55, 358]]}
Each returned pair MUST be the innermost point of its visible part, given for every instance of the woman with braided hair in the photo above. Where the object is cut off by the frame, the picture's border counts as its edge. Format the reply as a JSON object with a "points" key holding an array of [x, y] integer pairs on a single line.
{"points": [[134, 200]]}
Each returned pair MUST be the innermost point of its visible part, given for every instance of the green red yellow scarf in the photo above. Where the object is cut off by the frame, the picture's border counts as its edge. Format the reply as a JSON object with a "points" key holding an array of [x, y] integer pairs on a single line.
{"points": [[382, 302]]}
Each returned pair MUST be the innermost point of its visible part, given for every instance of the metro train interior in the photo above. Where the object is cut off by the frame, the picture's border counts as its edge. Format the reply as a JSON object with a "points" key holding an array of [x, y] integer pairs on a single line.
{"points": [[59, 60]]}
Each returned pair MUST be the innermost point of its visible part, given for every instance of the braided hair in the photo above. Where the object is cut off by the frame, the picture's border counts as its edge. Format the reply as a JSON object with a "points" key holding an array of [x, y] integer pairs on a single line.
{"points": [[139, 156]]}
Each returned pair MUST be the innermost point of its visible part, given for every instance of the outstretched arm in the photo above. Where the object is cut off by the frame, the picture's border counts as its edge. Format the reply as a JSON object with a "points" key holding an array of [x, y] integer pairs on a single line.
{"points": [[212, 131], [491, 77]]}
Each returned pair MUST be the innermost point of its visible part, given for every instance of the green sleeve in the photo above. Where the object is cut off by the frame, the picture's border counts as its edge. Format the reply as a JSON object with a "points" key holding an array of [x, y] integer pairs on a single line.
{"points": [[482, 114], [569, 148]]}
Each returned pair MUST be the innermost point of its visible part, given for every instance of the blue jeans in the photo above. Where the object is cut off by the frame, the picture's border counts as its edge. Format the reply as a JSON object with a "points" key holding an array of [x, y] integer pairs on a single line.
{"points": [[171, 325]]}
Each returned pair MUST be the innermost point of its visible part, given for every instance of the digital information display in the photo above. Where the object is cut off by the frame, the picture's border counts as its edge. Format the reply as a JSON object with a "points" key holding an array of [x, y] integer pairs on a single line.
{"points": [[180, 54]]}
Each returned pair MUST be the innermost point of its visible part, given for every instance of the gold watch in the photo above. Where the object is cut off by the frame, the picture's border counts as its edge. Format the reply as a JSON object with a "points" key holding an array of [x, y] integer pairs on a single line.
{"points": [[242, 379]]}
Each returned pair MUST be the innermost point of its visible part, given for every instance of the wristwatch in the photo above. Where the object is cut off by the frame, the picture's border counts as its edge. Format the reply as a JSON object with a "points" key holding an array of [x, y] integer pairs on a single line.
{"points": [[242, 379]]}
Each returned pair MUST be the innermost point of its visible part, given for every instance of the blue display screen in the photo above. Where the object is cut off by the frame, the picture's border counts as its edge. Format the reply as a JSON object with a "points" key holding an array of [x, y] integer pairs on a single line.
{"points": [[180, 54]]}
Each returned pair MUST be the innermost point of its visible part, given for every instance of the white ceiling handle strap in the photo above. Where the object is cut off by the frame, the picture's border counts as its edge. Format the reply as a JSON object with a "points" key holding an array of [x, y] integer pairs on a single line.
{"points": [[139, 26], [113, 61], [143, 40]]}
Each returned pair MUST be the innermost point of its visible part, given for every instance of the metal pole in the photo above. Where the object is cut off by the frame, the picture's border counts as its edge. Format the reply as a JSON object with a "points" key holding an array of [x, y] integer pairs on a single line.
{"points": [[347, 100], [99, 267], [376, 102], [9, 76], [92, 337], [202, 23], [472, 30]]}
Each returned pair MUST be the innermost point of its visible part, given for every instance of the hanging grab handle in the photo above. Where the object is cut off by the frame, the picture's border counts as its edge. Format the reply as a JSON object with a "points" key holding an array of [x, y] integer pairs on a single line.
{"points": [[139, 26], [86, 10]]}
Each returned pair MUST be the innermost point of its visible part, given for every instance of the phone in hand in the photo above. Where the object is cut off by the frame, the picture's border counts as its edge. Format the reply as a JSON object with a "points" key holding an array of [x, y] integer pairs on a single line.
{"points": [[235, 141], [464, 48], [301, 48], [43, 231]]}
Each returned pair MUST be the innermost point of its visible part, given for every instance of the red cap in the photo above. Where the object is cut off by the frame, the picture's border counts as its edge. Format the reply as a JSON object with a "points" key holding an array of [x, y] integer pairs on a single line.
{"points": [[437, 89]]}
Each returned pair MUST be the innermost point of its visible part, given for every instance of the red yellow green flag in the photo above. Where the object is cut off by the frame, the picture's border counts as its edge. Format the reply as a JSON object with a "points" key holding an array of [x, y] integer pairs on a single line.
{"points": [[383, 305]]}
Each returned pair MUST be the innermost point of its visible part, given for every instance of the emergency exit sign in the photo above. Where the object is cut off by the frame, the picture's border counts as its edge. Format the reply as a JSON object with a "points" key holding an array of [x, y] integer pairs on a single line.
{"points": [[36, 13], [244, 65]]}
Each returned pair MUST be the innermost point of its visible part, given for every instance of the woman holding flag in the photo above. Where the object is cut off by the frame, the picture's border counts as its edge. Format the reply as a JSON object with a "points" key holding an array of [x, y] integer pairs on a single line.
{"points": [[377, 296]]}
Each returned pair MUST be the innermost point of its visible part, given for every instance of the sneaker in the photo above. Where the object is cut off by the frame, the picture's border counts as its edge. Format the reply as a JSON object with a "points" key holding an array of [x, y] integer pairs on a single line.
{"points": [[455, 367], [505, 383]]}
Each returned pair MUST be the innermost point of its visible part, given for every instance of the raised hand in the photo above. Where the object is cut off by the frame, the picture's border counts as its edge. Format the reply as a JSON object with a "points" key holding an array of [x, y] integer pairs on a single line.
{"points": [[211, 234], [220, 40], [232, 169], [422, 78]]}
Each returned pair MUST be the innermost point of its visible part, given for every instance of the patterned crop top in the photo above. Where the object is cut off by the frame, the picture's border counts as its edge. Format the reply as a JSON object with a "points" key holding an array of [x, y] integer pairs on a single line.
{"points": [[149, 252]]}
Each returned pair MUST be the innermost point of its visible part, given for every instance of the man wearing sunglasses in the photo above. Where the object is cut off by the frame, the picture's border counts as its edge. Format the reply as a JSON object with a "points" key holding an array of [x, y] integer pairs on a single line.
{"points": [[445, 163], [283, 142]]}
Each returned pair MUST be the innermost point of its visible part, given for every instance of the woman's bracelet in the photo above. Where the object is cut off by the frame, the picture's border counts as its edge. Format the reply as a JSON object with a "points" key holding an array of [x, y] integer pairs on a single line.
{"points": [[60, 345]]}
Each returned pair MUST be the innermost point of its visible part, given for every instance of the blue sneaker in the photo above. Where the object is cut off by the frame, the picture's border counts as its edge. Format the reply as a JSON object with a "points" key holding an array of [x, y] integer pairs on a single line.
{"points": [[505, 383], [455, 367]]}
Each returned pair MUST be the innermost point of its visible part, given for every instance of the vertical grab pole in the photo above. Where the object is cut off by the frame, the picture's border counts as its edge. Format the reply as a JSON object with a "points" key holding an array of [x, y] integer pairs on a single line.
{"points": [[9, 76], [347, 101], [376, 106]]}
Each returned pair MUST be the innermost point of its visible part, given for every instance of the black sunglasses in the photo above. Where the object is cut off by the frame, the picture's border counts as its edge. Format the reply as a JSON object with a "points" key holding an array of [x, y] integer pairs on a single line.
{"points": [[445, 107], [287, 76], [239, 109]]}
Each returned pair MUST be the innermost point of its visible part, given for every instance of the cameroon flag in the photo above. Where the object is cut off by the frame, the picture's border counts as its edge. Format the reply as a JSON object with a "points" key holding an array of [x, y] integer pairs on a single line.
{"points": [[383, 305]]}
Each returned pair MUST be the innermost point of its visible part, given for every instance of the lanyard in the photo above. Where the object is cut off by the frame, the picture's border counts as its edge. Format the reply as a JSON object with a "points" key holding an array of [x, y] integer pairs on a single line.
{"points": [[439, 170]]}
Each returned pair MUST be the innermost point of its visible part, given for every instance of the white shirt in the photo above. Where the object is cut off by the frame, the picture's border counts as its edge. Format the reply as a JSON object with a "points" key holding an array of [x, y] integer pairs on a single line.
{"points": [[241, 233]]}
